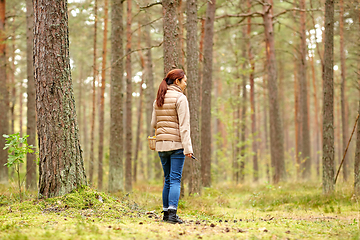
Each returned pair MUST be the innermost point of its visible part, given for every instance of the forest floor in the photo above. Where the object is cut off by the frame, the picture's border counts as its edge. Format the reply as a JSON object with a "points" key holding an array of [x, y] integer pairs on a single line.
{"points": [[288, 211]]}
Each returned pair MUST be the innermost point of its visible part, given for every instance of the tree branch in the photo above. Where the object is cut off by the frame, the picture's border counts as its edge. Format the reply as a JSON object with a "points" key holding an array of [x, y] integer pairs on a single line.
{"points": [[150, 5], [149, 23], [296, 9], [243, 15]]}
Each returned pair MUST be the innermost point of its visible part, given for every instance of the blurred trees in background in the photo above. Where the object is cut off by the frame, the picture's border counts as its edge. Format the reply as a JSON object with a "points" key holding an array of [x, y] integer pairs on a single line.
{"points": [[256, 111]]}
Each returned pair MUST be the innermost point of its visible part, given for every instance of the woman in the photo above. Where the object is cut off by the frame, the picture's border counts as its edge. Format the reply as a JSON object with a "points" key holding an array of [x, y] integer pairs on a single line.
{"points": [[171, 119]]}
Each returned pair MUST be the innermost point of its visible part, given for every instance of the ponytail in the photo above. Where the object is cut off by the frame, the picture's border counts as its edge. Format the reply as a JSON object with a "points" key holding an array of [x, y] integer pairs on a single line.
{"points": [[168, 80], [161, 93]]}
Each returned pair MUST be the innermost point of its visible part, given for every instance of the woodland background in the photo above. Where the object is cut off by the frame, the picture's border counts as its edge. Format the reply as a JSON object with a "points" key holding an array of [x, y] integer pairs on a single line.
{"points": [[231, 132]]}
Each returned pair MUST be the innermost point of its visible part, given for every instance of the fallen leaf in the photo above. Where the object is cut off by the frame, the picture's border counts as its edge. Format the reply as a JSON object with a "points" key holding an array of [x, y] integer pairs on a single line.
{"points": [[212, 225]]}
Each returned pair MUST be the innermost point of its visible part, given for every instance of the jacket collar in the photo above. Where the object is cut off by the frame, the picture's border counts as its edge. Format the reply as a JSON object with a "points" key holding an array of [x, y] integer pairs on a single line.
{"points": [[174, 87]]}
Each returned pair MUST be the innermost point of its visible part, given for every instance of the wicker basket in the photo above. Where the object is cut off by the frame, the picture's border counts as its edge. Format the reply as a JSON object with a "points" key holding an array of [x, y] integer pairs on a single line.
{"points": [[152, 142]]}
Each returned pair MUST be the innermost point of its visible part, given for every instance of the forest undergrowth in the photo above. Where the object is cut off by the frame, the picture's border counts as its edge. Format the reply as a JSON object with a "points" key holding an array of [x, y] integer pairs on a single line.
{"points": [[285, 211]]}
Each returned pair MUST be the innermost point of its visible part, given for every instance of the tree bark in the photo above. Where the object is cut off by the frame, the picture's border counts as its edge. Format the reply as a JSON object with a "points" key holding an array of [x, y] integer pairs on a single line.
{"points": [[171, 55], [328, 109], [128, 130], [4, 95], [31, 117], [243, 116], [193, 93], [276, 133], [252, 101], [357, 150], [116, 172], [344, 115], [206, 95], [102, 100], [150, 96], [61, 166], [305, 166], [181, 34], [92, 130]]}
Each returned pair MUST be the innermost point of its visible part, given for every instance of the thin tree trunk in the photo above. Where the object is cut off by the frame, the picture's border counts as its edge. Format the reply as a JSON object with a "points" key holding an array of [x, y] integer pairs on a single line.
{"points": [[328, 119], [181, 34], [193, 90], [201, 58], [276, 133], [150, 97], [102, 100], [4, 95], [128, 130], [13, 86], [92, 130], [252, 101], [170, 25], [206, 95], [137, 160], [344, 120], [243, 116], [305, 166], [31, 114], [58, 134], [116, 172], [357, 150], [317, 134]]}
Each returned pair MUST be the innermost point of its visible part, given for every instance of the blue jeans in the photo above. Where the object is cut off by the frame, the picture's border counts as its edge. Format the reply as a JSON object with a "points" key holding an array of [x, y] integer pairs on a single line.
{"points": [[172, 163]]}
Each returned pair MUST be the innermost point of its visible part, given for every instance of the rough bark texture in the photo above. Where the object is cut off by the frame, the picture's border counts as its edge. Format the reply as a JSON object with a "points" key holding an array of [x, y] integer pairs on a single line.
{"points": [[193, 93], [102, 100], [316, 127], [116, 172], [61, 166], [171, 55], [243, 117], [276, 133], [305, 166], [206, 94], [344, 115], [128, 131], [92, 130], [252, 101], [357, 150], [150, 97], [328, 109], [31, 118], [3, 97]]}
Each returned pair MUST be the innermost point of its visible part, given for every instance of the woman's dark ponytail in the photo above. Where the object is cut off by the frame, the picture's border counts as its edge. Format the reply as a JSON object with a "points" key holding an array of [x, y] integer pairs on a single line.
{"points": [[169, 79], [161, 93]]}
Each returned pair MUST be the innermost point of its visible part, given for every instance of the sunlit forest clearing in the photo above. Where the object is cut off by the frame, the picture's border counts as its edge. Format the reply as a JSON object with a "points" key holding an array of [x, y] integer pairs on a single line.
{"points": [[273, 91], [245, 212]]}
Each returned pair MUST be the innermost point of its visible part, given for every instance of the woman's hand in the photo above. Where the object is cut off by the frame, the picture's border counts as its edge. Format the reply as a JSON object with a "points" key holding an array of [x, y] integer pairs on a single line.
{"points": [[189, 155]]}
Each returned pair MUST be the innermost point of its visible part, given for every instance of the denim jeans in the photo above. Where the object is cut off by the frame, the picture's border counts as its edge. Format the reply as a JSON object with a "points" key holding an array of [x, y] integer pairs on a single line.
{"points": [[172, 163]]}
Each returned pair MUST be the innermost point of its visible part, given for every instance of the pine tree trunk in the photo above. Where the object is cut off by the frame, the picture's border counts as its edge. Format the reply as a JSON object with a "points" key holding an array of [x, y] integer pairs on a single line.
{"points": [[243, 116], [116, 172], [193, 93], [102, 100], [328, 119], [305, 160], [252, 101], [181, 34], [171, 55], [128, 130], [150, 96], [357, 150], [59, 147], [317, 134], [4, 105], [31, 117], [137, 160], [276, 133], [92, 130], [343, 90], [206, 95], [12, 85]]}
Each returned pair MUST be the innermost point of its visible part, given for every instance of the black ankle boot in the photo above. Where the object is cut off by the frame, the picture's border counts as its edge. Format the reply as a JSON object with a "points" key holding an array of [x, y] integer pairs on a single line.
{"points": [[166, 215], [173, 218]]}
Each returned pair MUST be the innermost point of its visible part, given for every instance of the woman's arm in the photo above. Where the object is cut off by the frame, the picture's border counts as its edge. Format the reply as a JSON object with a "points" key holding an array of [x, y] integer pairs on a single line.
{"points": [[182, 107], [153, 117]]}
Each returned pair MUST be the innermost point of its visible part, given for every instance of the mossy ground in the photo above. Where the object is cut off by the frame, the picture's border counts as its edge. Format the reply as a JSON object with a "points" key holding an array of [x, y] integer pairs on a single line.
{"points": [[289, 211]]}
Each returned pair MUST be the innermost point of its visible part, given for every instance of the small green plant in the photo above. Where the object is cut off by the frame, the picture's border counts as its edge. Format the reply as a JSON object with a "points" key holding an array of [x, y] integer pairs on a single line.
{"points": [[17, 148]]}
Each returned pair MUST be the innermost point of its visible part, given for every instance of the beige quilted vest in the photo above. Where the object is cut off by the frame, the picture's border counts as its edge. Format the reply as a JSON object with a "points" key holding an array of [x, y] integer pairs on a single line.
{"points": [[167, 126]]}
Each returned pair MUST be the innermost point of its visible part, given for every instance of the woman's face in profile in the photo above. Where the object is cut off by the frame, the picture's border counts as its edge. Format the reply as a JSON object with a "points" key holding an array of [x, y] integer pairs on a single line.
{"points": [[182, 83]]}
